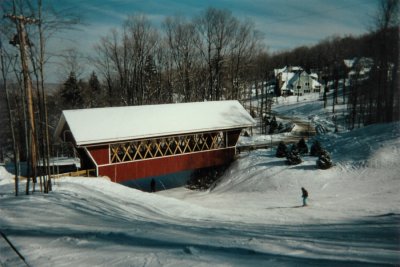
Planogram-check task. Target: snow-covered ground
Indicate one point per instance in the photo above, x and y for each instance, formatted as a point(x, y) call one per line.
point(251, 218)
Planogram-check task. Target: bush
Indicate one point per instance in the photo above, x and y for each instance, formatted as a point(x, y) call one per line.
point(280, 127)
point(273, 125)
point(293, 156)
point(316, 149)
point(302, 146)
point(203, 179)
point(281, 151)
point(324, 161)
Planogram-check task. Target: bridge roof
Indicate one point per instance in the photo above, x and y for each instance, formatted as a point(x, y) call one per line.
point(114, 124)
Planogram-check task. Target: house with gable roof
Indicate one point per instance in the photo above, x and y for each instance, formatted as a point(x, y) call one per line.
point(296, 81)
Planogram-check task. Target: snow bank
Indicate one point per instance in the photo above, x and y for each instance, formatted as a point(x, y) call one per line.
point(4, 174)
point(251, 218)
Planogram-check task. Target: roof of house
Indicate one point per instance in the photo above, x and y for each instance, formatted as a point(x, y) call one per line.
point(314, 76)
point(315, 83)
point(113, 124)
point(287, 69)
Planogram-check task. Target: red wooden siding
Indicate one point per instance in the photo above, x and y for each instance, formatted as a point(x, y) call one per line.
point(166, 165)
point(136, 169)
point(100, 154)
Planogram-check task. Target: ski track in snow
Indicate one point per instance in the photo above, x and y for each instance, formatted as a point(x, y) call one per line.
point(183, 240)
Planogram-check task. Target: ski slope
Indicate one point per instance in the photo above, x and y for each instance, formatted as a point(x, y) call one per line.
point(251, 218)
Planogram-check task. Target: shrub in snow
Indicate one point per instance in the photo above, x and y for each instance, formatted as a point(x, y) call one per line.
point(294, 148)
point(280, 127)
point(293, 156)
point(273, 125)
point(266, 121)
point(316, 149)
point(203, 179)
point(281, 151)
point(302, 146)
point(324, 161)
point(266, 124)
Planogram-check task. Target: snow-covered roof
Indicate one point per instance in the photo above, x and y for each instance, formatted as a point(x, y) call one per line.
point(296, 68)
point(315, 83)
point(362, 61)
point(277, 71)
point(291, 70)
point(349, 62)
point(285, 86)
point(287, 76)
point(101, 125)
point(314, 75)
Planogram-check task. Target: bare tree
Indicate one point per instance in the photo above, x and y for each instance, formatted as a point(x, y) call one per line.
point(124, 60)
point(181, 36)
point(165, 72)
point(23, 42)
point(387, 15)
point(6, 61)
point(243, 51)
point(216, 28)
point(105, 62)
point(140, 41)
point(31, 42)
point(387, 21)
point(71, 62)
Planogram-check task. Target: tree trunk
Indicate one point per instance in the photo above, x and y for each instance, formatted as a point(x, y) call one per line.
point(11, 124)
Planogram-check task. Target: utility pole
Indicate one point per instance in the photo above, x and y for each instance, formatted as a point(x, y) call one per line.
point(23, 42)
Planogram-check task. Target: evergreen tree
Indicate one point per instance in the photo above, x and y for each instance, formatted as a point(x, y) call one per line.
point(293, 156)
point(266, 124)
point(302, 146)
point(324, 161)
point(281, 151)
point(151, 82)
point(95, 96)
point(280, 127)
point(273, 125)
point(316, 149)
point(71, 93)
point(266, 121)
point(94, 83)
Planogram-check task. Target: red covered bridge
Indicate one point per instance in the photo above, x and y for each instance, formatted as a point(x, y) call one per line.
point(133, 142)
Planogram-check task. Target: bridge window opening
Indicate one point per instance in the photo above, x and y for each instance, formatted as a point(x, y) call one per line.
point(160, 147)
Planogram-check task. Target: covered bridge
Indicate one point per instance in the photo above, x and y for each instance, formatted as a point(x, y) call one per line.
point(133, 142)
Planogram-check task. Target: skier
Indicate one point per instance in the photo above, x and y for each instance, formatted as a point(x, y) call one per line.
point(153, 185)
point(304, 196)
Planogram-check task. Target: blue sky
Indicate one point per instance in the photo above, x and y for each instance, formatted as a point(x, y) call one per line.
point(285, 24)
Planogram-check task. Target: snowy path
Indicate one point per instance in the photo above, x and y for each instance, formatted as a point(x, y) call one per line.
point(137, 228)
point(9, 255)
point(303, 128)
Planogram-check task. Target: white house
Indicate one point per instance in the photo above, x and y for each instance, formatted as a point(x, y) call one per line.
point(296, 81)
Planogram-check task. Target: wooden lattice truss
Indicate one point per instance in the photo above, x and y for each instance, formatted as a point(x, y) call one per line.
point(168, 146)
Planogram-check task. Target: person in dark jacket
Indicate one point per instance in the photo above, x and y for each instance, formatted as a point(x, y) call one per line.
point(153, 185)
point(304, 196)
